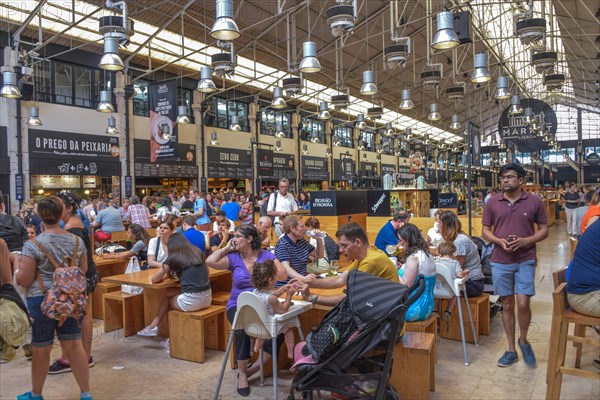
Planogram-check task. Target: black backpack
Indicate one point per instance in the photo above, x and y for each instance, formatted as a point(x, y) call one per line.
point(332, 249)
point(264, 206)
point(11, 231)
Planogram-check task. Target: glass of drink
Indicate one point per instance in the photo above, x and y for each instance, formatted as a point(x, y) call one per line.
point(334, 266)
point(390, 249)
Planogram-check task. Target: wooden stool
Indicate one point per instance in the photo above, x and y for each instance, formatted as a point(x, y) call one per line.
point(96, 299)
point(562, 316)
point(220, 298)
point(123, 310)
point(430, 325)
point(413, 370)
point(192, 332)
point(480, 310)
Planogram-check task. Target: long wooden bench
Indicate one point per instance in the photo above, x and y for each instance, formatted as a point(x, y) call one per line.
point(123, 310)
point(190, 333)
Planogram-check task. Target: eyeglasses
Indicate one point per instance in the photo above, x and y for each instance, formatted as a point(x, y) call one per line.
point(238, 236)
point(284, 187)
point(508, 177)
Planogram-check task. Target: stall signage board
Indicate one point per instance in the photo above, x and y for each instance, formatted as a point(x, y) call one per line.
point(284, 166)
point(162, 102)
point(388, 169)
point(368, 169)
point(475, 133)
point(592, 159)
point(404, 177)
point(323, 203)
point(19, 187)
point(314, 168)
point(447, 200)
point(348, 168)
point(228, 163)
point(184, 166)
point(128, 190)
point(378, 203)
point(264, 161)
point(63, 153)
point(514, 129)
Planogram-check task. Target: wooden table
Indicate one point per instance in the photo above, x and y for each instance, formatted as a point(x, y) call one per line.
point(109, 265)
point(154, 292)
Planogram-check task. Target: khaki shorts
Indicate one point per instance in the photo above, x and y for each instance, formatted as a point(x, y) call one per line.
point(588, 303)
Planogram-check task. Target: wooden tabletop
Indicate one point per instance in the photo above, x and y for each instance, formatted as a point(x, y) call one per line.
point(107, 259)
point(144, 278)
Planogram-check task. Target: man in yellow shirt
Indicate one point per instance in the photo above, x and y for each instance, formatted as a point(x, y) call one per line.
point(354, 244)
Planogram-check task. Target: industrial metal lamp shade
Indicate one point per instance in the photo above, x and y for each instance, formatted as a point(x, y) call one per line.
point(235, 124)
point(314, 138)
point(361, 145)
point(406, 103)
point(278, 100)
point(111, 129)
point(365, 157)
point(434, 114)
point(323, 111)
point(336, 140)
point(515, 106)
point(213, 139)
point(278, 145)
point(446, 37)
point(206, 84)
point(225, 27)
point(111, 60)
point(502, 93)
point(408, 133)
point(360, 122)
point(481, 73)
point(10, 89)
point(368, 87)
point(529, 118)
point(305, 150)
point(105, 105)
point(34, 117)
point(279, 131)
point(389, 131)
point(455, 125)
point(309, 64)
point(182, 115)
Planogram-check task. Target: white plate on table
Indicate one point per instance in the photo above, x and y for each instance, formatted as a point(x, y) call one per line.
point(324, 275)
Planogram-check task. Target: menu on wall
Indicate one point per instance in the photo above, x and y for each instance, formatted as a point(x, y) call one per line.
point(314, 168)
point(387, 169)
point(228, 163)
point(184, 166)
point(284, 166)
point(368, 169)
point(63, 153)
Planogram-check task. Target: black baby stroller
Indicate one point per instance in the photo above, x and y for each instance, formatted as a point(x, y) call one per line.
point(335, 357)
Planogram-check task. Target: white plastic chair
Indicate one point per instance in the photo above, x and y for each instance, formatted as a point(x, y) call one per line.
point(447, 287)
point(253, 318)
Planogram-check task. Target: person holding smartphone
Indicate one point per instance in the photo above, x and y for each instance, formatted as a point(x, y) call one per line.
point(513, 215)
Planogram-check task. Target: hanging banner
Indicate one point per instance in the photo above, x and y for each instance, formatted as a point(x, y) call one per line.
point(475, 134)
point(264, 160)
point(284, 166)
point(514, 128)
point(162, 103)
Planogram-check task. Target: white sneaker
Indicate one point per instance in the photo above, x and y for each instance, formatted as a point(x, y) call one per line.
point(147, 331)
point(165, 344)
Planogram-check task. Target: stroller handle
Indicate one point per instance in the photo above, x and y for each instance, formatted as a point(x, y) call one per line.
point(419, 286)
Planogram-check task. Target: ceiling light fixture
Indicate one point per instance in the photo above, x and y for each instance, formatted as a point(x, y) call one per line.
point(481, 73)
point(455, 125)
point(305, 150)
point(389, 131)
point(309, 64)
point(323, 111)
point(235, 124)
point(502, 93)
point(206, 84)
point(34, 117)
point(528, 117)
point(336, 141)
point(182, 115)
point(515, 105)
point(292, 86)
point(314, 138)
point(360, 122)
point(279, 133)
point(445, 37)
point(278, 101)
point(214, 140)
point(406, 103)
point(111, 60)
point(105, 104)
point(341, 18)
point(368, 87)
point(111, 129)
point(225, 27)
point(10, 90)
point(278, 145)
point(434, 114)
point(361, 145)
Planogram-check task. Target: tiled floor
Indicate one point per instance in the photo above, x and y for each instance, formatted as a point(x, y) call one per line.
point(137, 368)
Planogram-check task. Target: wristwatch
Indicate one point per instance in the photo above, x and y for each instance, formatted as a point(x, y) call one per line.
point(314, 298)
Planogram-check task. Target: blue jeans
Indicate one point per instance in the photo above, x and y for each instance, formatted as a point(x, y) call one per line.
point(516, 278)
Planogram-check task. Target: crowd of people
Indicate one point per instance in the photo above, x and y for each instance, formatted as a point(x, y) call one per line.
point(60, 226)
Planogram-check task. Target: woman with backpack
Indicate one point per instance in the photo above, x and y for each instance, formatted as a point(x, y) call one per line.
point(74, 225)
point(37, 269)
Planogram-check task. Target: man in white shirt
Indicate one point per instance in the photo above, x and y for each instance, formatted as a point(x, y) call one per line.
point(281, 203)
point(220, 216)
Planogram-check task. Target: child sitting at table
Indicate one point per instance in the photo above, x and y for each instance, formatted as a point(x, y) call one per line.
point(263, 280)
point(446, 250)
point(185, 262)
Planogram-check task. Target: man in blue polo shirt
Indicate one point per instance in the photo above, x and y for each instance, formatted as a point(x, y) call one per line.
point(194, 236)
point(388, 233)
point(292, 250)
